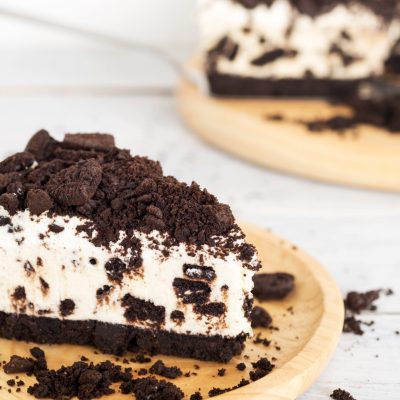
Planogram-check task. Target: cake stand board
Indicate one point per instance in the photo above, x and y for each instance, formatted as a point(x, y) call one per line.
point(310, 323)
point(366, 156)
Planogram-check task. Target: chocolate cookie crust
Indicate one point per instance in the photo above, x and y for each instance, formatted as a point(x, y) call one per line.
point(118, 339)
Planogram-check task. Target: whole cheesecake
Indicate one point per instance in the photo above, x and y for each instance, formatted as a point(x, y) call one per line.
point(98, 247)
point(297, 47)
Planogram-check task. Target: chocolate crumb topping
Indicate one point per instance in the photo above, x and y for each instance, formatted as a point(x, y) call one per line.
point(196, 396)
point(87, 176)
point(261, 368)
point(38, 201)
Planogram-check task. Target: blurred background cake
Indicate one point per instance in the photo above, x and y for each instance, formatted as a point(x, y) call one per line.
point(297, 47)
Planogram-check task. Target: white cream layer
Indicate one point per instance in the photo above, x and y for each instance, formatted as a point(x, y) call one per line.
point(66, 267)
point(371, 39)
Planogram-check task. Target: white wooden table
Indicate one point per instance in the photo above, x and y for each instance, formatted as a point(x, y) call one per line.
point(354, 233)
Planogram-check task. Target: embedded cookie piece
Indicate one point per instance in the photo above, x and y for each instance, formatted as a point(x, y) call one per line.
point(106, 250)
point(296, 47)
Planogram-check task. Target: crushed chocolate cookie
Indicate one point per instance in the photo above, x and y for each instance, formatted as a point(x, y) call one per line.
point(261, 368)
point(150, 388)
point(19, 293)
point(217, 391)
point(141, 310)
point(340, 394)
point(260, 318)
point(55, 228)
point(10, 202)
point(91, 141)
point(38, 201)
point(199, 272)
point(221, 372)
point(357, 302)
point(141, 359)
point(196, 396)
point(274, 286)
point(177, 316)
point(67, 307)
point(159, 368)
point(191, 292)
point(260, 340)
point(19, 364)
point(241, 366)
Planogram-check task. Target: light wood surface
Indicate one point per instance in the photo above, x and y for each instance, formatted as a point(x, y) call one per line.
point(302, 346)
point(365, 156)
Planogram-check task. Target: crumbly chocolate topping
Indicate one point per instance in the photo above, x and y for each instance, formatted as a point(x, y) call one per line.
point(261, 368)
point(388, 9)
point(217, 391)
point(87, 176)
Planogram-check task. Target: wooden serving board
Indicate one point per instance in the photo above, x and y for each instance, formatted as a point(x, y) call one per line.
point(302, 346)
point(365, 156)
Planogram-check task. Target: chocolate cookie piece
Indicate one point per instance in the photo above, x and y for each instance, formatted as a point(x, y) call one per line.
point(275, 286)
point(67, 307)
point(340, 394)
point(17, 162)
point(76, 185)
point(94, 141)
point(159, 368)
point(260, 318)
point(38, 201)
point(41, 145)
point(10, 202)
point(18, 365)
point(150, 388)
point(357, 302)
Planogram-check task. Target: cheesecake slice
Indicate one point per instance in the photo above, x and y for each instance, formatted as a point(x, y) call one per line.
point(98, 247)
point(297, 47)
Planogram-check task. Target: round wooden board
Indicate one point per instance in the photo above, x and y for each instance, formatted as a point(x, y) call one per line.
point(306, 338)
point(365, 157)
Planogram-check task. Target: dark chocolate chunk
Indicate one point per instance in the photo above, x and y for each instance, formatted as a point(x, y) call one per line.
point(67, 307)
point(275, 286)
point(272, 56)
point(260, 318)
point(141, 310)
point(191, 292)
point(95, 141)
point(18, 365)
point(76, 185)
point(159, 368)
point(152, 389)
point(199, 272)
point(41, 145)
point(177, 316)
point(55, 228)
point(10, 202)
point(19, 293)
point(210, 309)
point(115, 269)
point(17, 162)
point(340, 394)
point(38, 201)
point(44, 285)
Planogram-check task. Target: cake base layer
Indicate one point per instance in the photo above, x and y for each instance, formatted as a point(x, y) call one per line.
point(118, 339)
point(232, 85)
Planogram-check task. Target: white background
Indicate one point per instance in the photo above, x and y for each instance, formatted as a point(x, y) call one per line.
point(66, 84)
